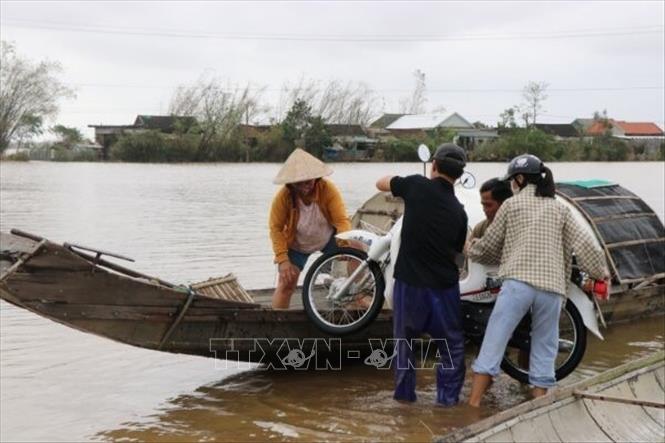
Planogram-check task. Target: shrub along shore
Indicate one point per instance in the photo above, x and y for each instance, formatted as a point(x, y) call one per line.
point(274, 146)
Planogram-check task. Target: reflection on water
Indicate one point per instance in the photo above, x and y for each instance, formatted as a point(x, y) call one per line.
point(352, 404)
point(186, 223)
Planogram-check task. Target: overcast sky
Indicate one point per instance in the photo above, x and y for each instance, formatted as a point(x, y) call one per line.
point(126, 58)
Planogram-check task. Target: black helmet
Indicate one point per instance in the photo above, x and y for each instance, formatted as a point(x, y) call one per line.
point(524, 164)
point(450, 152)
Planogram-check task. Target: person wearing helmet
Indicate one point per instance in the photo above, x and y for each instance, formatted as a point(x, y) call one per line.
point(426, 294)
point(305, 214)
point(532, 238)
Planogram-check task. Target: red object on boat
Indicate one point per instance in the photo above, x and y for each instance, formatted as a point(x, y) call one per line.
point(600, 290)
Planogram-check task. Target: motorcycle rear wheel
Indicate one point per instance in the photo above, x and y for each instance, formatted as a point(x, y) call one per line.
point(353, 312)
point(572, 345)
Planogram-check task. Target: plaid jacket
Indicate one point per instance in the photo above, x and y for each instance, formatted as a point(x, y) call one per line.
point(533, 239)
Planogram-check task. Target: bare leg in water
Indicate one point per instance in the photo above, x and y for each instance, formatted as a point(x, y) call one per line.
point(479, 385)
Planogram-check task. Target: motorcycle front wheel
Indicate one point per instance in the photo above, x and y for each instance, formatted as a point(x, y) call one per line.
point(572, 345)
point(357, 306)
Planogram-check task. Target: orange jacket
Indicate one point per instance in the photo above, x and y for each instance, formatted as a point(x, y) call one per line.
point(284, 215)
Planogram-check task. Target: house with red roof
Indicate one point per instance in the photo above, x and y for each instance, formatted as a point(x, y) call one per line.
point(647, 135)
point(624, 129)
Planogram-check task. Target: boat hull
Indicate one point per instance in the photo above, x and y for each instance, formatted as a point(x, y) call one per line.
point(60, 284)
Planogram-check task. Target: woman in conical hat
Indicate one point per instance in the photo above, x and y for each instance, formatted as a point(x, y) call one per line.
point(306, 213)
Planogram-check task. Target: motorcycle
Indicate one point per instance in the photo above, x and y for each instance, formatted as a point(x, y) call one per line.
point(345, 290)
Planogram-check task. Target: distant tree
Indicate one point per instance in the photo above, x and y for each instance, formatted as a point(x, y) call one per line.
point(534, 94)
point(316, 136)
point(252, 107)
point(297, 121)
point(415, 104)
point(28, 91)
point(218, 109)
point(30, 126)
point(302, 128)
point(516, 142)
point(507, 118)
point(67, 137)
point(479, 125)
point(334, 101)
point(604, 120)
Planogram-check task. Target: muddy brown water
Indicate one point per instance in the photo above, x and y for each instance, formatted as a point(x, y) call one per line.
point(186, 223)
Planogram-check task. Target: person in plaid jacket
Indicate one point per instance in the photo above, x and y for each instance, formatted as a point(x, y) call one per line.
point(532, 238)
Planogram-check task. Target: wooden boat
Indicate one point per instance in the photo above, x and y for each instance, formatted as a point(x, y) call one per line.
point(79, 287)
point(67, 284)
point(626, 403)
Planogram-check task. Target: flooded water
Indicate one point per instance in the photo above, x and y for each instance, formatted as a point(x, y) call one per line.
point(185, 223)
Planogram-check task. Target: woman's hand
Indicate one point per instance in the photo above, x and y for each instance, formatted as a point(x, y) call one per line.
point(288, 272)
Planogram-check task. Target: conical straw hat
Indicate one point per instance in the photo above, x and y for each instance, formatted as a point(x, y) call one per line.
point(301, 166)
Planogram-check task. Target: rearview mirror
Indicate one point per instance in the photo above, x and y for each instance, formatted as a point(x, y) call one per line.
point(467, 180)
point(423, 153)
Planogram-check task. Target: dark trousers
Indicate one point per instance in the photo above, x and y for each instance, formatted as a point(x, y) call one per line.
point(437, 312)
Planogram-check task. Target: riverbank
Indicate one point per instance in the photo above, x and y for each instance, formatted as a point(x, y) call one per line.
point(160, 149)
point(272, 146)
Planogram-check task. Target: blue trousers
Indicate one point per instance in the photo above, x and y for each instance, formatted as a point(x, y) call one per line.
point(437, 312)
point(515, 300)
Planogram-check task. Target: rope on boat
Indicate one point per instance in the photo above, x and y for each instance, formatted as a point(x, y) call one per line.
point(181, 314)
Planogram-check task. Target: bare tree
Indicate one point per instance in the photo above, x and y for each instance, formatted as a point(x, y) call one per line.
point(415, 104)
point(350, 103)
point(27, 91)
point(303, 90)
point(218, 109)
point(603, 119)
point(334, 101)
point(534, 94)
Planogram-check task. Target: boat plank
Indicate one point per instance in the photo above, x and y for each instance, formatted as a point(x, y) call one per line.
point(115, 312)
point(623, 422)
point(573, 423)
point(502, 436)
point(660, 377)
point(90, 288)
point(538, 429)
point(52, 256)
point(105, 288)
point(649, 389)
point(264, 298)
point(135, 333)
